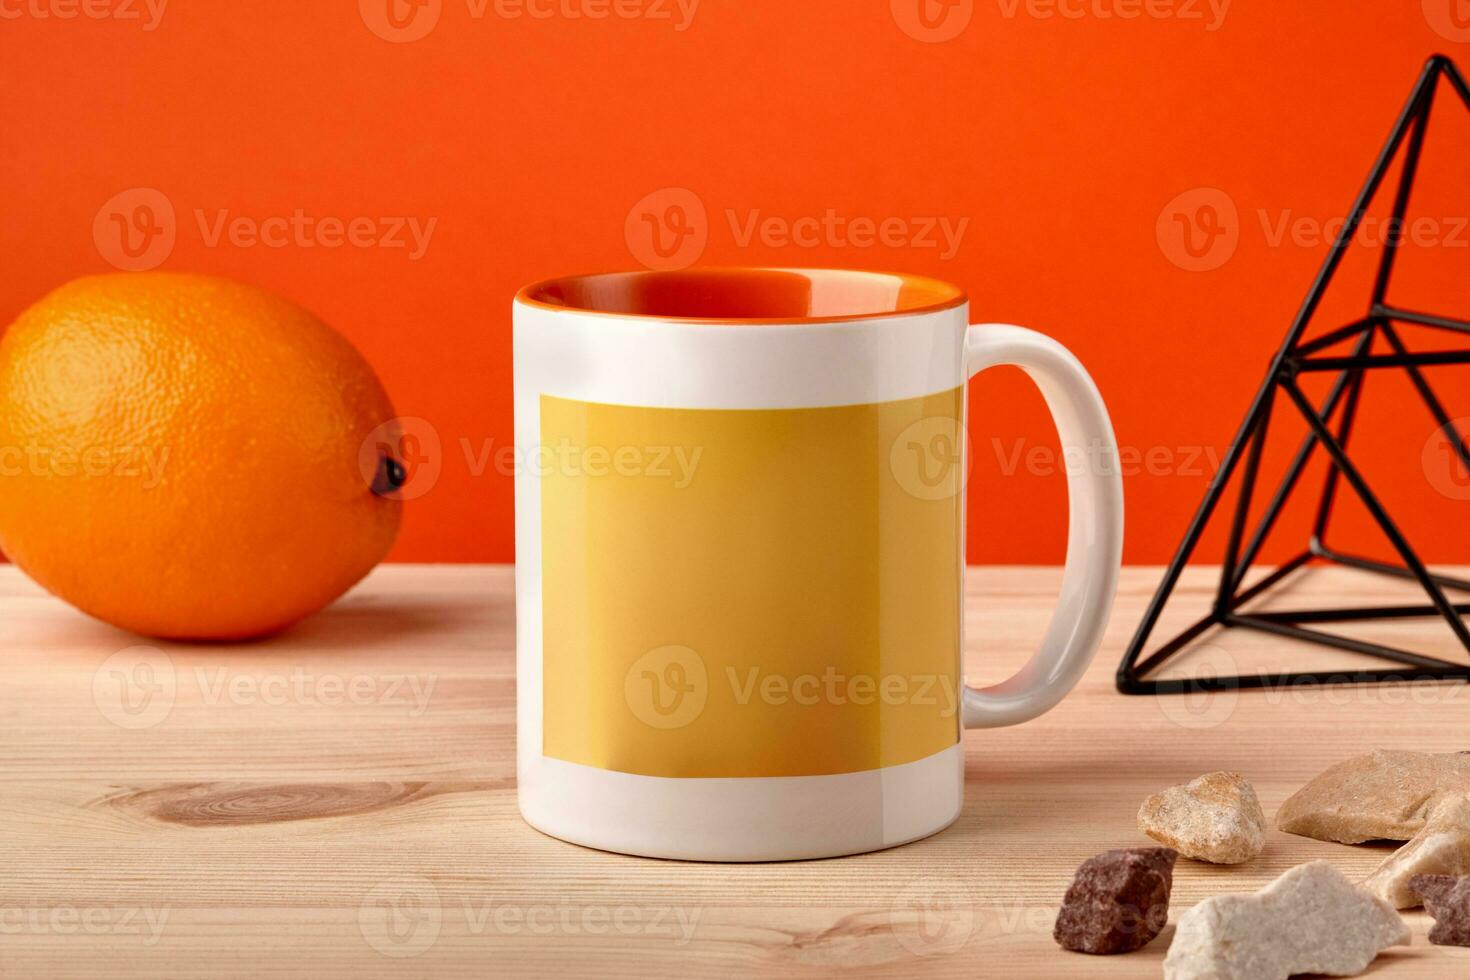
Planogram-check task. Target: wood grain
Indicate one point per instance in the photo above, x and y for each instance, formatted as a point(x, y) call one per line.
point(322, 803)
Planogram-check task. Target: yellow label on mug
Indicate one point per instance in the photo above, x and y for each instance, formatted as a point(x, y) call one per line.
point(751, 592)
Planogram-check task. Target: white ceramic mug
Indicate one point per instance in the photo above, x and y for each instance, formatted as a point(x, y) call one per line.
point(740, 551)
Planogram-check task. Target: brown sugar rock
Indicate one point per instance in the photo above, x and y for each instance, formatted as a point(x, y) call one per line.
point(1448, 900)
point(1441, 848)
point(1215, 818)
point(1118, 901)
point(1386, 795)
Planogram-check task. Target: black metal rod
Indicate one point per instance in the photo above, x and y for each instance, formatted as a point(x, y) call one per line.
point(1407, 116)
point(1422, 319)
point(1335, 337)
point(1369, 362)
point(1353, 614)
point(1343, 643)
point(1298, 466)
point(1243, 506)
point(1175, 645)
point(1271, 579)
point(1401, 198)
point(1452, 72)
point(1383, 568)
point(1370, 500)
point(1436, 408)
point(1192, 535)
point(1344, 433)
point(1294, 680)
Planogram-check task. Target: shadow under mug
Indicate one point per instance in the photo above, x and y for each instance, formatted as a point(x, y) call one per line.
point(740, 527)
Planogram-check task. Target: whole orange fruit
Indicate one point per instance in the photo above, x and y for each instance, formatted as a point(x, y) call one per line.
point(189, 457)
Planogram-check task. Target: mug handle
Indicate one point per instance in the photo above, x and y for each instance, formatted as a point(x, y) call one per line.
point(1094, 524)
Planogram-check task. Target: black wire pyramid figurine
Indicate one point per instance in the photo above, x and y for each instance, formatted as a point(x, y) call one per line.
point(1294, 358)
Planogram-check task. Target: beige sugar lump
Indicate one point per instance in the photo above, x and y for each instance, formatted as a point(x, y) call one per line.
point(1215, 818)
point(1386, 795)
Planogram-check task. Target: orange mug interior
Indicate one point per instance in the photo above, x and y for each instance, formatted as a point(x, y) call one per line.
point(746, 295)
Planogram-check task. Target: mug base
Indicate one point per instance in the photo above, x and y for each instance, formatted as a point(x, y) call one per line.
point(788, 818)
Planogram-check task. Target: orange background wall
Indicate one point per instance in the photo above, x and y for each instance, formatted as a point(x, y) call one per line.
point(1058, 131)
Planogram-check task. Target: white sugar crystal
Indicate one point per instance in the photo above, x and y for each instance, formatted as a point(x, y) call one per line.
point(1310, 920)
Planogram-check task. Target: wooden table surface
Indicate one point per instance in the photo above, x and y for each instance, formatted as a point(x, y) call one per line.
point(340, 801)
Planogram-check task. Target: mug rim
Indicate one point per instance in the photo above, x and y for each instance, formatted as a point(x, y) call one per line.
point(913, 294)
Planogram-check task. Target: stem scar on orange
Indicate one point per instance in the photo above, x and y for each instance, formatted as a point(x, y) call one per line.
point(189, 457)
